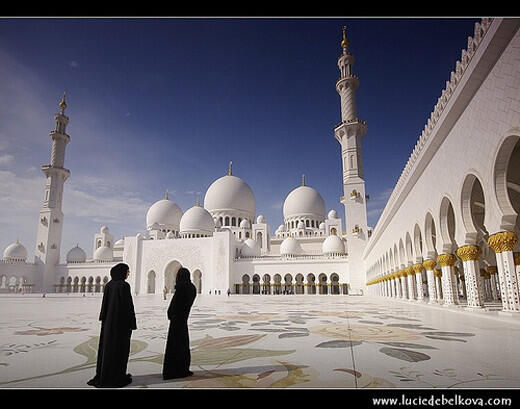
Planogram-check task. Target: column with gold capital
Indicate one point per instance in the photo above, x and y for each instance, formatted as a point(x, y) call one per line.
point(429, 265)
point(418, 269)
point(393, 285)
point(398, 284)
point(492, 270)
point(404, 286)
point(449, 287)
point(410, 282)
point(516, 259)
point(438, 285)
point(503, 244)
point(474, 291)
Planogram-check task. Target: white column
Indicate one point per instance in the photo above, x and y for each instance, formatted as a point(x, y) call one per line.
point(502, 244)
point(418, 268)
point(429, 265)
point(438, 285)
point(449, 287)
point(492, 270)
point(474, 287)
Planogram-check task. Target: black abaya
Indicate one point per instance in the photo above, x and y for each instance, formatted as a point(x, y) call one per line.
point(117, 322)
point(177, 357)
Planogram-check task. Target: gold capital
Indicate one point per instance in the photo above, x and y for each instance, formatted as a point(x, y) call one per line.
point(445, 260)
point(418, 268)
point(503, 241)
point(469, 252)
point(408, 271)
point(429, 264)
point(437, 272)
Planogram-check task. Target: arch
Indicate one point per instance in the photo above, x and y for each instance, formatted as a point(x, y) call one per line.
point(418, 244)
point(288, 286)
point(334, 279)
point(259, 238)
point(402, 254)
point(409, 251)
point(473, 209)
point(397, 266)
point(83, 285)
point(506, 180)
point(256, 284)
point(267, 284)
point(277, 288)
point(170, 275)
point(447, 225)
point(75, 285)
point(322, 279)
point(245, 284)
point(197, 280)
point(299, 286)
point(430, 236)
point(97, 286)
point(151, 282)
point(311, 284)
point(90, 284)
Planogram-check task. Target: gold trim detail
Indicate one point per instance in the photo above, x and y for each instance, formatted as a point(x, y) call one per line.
point(418, 268)
point(446, 260)
point(429, 264)
point(503, 241)
point(469, 252)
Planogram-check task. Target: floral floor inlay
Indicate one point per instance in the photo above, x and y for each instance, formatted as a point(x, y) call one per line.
point(265, 342)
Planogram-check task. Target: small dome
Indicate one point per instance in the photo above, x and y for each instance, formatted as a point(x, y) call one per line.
point(104, 230)
point(76, 255)
point(139, 236)
point(244, 224)
point(333, 244)
point(230, 193)
point(304, 201)
point(322, 226)
point(165, 213)
point(301, 224)
point(197, 220)
point(250, 248)
point(119, 243)
point(103, 254)
point(332, 214)
point(15, 251)
point(260, 219)
point(218, 223)
point(170, 235)
point(290, 247)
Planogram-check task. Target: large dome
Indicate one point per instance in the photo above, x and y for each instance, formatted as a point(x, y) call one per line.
point(103, 254)
point(290, 247)
point(76, 255)
point(333, 245)
point(250, 248)
point(197, 220)
point(15, 251)
point(304, 201)
point(165, 213)
point(230, 193)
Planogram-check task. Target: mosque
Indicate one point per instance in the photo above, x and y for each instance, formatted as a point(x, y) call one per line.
point(224, 243)
point(448, 234)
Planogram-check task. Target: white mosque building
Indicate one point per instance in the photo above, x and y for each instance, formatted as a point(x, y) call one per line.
point(448, 234)
point(224, 243)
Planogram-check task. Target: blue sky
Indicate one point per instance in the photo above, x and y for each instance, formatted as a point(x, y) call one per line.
point(166, 103)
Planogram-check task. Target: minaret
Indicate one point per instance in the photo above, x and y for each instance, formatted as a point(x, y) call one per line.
point(48, 238)
point(349, 133)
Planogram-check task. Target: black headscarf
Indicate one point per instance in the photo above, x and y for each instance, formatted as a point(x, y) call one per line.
point(118, 272)
point(183, 276)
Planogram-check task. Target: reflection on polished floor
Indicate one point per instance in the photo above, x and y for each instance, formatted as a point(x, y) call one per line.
point(251, 341)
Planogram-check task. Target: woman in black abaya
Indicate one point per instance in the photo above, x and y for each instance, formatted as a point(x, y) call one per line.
point(177, 357)
point(117, 322)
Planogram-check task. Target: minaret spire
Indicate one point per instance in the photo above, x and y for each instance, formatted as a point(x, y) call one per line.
point(303, 180)
point(48, 236)
point(166, 195)
point(349, 133)
point(230, 169)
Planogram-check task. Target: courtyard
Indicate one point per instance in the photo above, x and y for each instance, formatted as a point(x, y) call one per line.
point(267, 341)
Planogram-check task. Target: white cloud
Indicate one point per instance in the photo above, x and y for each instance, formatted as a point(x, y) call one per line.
point(6, 159)
point(376, 205)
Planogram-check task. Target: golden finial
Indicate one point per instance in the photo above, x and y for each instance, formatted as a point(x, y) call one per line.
point(303, 180)
point(230, 170)
point(198, 202)
point(62, 103)
point(344, 43)
point(166, 195)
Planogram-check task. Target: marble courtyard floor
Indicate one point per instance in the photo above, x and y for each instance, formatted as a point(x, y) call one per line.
point(253, 341)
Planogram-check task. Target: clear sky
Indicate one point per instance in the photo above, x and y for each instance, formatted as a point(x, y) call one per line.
point(166, 103)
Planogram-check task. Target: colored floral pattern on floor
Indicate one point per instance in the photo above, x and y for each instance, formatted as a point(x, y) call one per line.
point(264, 342)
